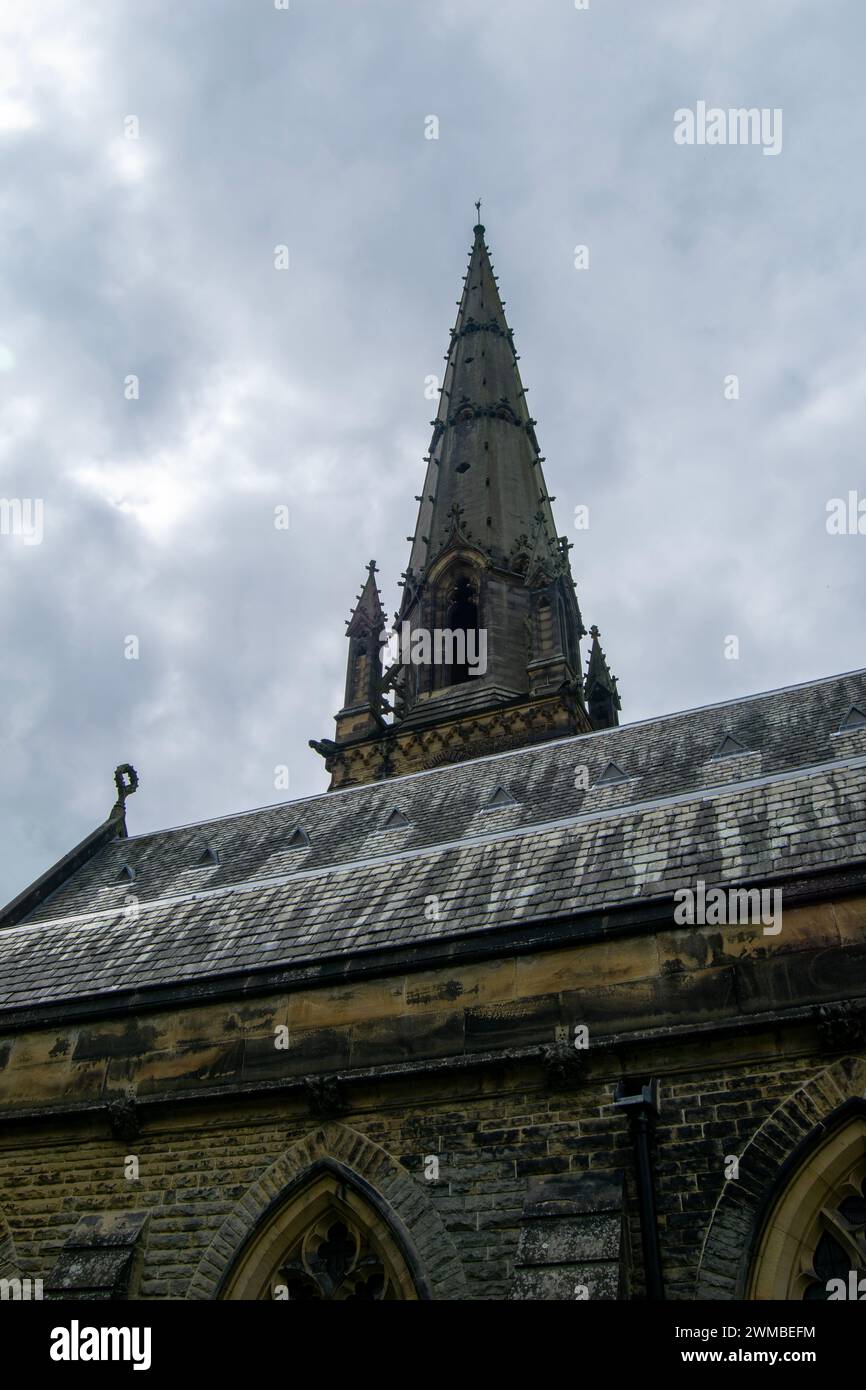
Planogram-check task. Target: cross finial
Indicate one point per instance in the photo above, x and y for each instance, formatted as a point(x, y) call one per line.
point(478, 209)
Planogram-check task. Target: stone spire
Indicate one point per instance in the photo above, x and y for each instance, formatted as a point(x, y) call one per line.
point(484, 455)
point(602, 696)
point(362, 706)
point(368, 615)
point(488, 631)
point(485, 542)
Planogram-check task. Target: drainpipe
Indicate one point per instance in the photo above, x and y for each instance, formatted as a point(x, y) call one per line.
point(642, 1109)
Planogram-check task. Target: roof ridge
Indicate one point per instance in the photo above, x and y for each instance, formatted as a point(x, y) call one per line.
point(506, 753)
point(697, 794)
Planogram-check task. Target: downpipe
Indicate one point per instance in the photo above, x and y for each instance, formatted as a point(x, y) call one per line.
point(642, 1110)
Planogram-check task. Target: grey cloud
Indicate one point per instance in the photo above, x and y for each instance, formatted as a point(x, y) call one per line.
point(306, 387)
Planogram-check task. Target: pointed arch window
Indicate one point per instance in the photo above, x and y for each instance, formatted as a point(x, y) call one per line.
point(815, 1232)
point(840, 1250)
point(461, 619)
point(566, 633)
point(452, 617)
point(329, 1240)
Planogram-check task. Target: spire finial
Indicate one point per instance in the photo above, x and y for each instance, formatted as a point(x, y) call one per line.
point(478, 227)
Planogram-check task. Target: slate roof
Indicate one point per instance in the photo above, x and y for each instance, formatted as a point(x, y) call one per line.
point(793, 800)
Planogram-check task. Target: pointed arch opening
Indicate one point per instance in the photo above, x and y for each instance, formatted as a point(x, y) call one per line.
point(812, 1243)
point(567, 635)
point(329, 1238)
point(454, 612)
point(461, 619)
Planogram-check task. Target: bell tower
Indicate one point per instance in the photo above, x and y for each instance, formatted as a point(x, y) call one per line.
point(485, 650)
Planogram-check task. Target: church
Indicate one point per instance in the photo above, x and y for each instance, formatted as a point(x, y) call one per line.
point(530, 1004)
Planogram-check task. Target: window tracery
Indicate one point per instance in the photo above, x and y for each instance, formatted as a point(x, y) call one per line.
point(332, 1260)
point(815, 1231)
point(328, 1240)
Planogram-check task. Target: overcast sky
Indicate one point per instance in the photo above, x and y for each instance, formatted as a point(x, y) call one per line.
point(261, 127)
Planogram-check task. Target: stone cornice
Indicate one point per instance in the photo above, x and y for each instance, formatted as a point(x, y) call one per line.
point(325, 1093)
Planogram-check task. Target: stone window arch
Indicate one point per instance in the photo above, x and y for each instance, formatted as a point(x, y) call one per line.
point(815, 1229)
point(566, 632)
point(394, 1212)
point(329, 1241)
point(457, 608)
point(754, 1240)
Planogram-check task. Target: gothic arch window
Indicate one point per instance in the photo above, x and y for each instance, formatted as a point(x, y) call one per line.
point(544, 639)
point(327, 1241)
point(457, 611)
point(815, 1231)
point(567, 635)
point(364, 653)
point(461, 616)
point(841, 1248)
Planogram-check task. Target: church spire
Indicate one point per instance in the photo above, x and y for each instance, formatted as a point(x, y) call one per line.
point(602, 696)
point(369, 614)
point(362, 707)
point(484, 453)
point(487, 651)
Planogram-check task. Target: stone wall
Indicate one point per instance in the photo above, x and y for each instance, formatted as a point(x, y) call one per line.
point(472, 1064)
point(494, 1139)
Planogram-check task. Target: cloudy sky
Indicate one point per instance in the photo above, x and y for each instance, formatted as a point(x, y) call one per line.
point(154, 257)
